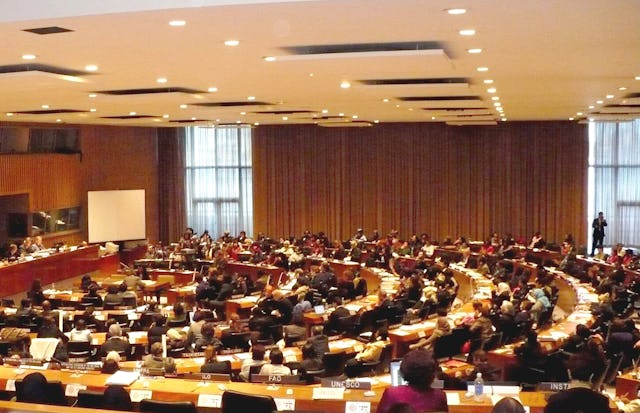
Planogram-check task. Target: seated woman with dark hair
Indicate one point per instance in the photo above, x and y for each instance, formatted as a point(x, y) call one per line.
point(117, 398)
point(211, 365)
point(310, 360)
point(275, 366)
point(418, 369)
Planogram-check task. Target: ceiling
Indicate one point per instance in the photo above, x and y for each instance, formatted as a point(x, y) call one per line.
point(548, 59)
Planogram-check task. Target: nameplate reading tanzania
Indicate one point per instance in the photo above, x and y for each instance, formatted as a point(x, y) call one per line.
point(347, 384)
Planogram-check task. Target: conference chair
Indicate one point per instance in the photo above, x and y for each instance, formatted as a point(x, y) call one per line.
point(334, 363)
point(158, 406)
point(79, 350)
point(234, 402)
point(90, 399)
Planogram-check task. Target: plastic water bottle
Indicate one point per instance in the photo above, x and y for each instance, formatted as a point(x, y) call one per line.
point(478, 387)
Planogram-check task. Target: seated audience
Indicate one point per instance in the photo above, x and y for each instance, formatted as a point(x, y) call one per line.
point(275, 365)
point(257, 359)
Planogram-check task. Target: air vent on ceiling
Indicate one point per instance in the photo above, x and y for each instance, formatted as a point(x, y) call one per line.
point(282, 112)
point(153, 90)
point(129, 117)
point(49, 111)
point(436, 98)
point(337, 51)
point(48, 30)
point(37, 67)
point(422, 81)
point(225, 104)
point(345, 124)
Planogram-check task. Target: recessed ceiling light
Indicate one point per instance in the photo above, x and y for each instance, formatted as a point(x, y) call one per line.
point(637, 77)
point(376, 121)
point(161, 80)
point(251, 98)
point(385, 100)
point(571, 118)
point(325, 110)
point(194, 118)
point(311, 75)
point(354, 117)
point(491, 90)
point(488, 81)
point(495, 97)
point(238, 121)
point(218, 120)
point(165, 116)
point(28, 56)
point(243, 113)
point(132, 113)
point(340, 114)
point(456, 11)
point(285, 118)
point(467, 32)
point(58, 120)
point(622, 88)
point(474, 51)
point(482, 69)
point(579, 113)
point(232, 42)
point(9, 114)
point(177, 23)
point(91, 68)
point(433, 118)
point(92, 95)
point(269, 58)
point(183, 106)
point(591, 106)
point(609, 96)
point(212, 89)
point(497, 104)
point(256, 123)
point(45, 106)
point(599, 102)
point(345, 85)
point(92, 110)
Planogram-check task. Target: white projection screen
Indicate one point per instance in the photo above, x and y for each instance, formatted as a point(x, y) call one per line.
point(116, 215)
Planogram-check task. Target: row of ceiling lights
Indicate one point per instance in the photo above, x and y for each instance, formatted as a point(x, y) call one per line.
point(601, 101)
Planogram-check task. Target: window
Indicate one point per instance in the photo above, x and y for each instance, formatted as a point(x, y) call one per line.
point(219, 190)
point(614, 180)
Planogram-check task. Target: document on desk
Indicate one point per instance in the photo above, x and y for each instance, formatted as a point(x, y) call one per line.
point(122, 378)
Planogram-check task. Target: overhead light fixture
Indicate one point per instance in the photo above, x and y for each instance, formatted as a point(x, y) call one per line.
point(637, 77)
point(183, 106)
point(256, 123)
point(243, 113)
point(456, 11)
point(354, 117)
point(376, 121)
point(9, 114)
point(231, 42)
point(133, 113)
point(579, 113)
point(467, 32)
point(177, 23)
point(165, 116)
point(482, 69)
point(385, 100)
point(599, 102)
point(92, 95)
point(92, 110)
point(591, 106)
point(269, 58)
point(488, 81)
point(212, 89)
point(497, 104)
point(609, 96)
point(474, 51)
point(495, 97)
point(621, 88)
point(285, 118)
point(491, 90)
point(571, 118)
point(345, 84)
point(193, 118)
point(91, 68)
point(58, 120)
point(45, 106)
point(325, 111)
point(28, 56)
point(251, 98)
point(161, 80)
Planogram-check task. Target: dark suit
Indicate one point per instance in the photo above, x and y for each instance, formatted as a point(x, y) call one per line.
point(598, 233)
point(217, 367)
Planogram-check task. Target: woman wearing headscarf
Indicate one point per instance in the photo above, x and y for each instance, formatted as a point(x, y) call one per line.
point(540, 305)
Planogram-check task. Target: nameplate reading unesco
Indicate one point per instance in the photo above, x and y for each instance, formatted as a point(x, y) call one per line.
point(347, 384)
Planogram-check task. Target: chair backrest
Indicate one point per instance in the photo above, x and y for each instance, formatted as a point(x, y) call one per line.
point(79, 348)
point(158, 406)
point(237, 340)
point(234, 402)
point(90, 399)
point(54, 394)
point(334, 363)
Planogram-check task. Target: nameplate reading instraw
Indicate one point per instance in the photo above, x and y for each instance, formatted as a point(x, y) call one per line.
point(328, 393)
point(357, 407)
point(210, 400)
point(347, 384)
point(138, 395)
point(552, 386)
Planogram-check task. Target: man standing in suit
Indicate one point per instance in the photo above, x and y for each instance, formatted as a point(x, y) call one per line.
point(598, 232)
